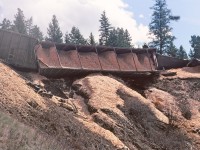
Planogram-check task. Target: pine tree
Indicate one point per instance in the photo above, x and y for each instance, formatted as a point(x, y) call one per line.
point(105, 29)
point(191, 54)
point(195, 44)
point(19, 22)
point(181, 53)
point(75, 37)
point(54, 32)
point(67, 38)
point(22, 25)
point(119, 38)
point(6, 24)
point(159, 26)
point(113, 38)
point(145, 45)
point(36, 33)
point(128, 39)
point(171, 50)
point(29, 25)
point(91, 40)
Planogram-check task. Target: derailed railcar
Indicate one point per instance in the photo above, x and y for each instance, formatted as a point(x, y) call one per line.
point(59, 60)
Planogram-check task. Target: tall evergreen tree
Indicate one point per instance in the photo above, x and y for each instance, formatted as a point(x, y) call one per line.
point(128, 39)
point(105, 29)
point(195, 44)
point(91, 40)
point(6, 24)
point(119, 38)
point(54, 32)
point(29, 25)
point(191, 53)
point(75, 37)
point(113, 38)
point(22, 25)
point(36, 33)
point(171, 50)
point(19, 22)
point(67, 38)
point(181, 53)
point(159, 26)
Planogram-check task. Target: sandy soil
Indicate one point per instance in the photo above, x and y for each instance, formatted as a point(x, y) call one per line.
point(103, 113)
point(186, 72)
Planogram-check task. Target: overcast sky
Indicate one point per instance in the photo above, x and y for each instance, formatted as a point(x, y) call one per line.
point(133, 15)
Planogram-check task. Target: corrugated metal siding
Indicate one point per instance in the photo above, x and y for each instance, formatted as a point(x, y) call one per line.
point(18, 49)
point(5, 43)
point(13, 48)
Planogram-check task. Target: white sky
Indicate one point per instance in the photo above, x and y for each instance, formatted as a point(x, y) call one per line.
point(84, 14)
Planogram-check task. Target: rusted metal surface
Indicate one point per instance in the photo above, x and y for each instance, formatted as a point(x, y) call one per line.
point(61, 59)
point(88, 58)
point(18, 49)
point(108, 59)
point(125, 59)
point(142, 62)
point(68, 56)
point(48, 57)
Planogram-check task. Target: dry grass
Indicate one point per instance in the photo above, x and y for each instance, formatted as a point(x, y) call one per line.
point(15, 135)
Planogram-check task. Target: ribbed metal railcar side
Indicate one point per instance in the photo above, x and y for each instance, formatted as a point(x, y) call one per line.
point(58, 60)
point(18, 49)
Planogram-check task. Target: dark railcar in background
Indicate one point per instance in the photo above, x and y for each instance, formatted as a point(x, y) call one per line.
point(18, 49)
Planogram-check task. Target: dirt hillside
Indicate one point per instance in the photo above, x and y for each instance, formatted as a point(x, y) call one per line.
point(101, 112)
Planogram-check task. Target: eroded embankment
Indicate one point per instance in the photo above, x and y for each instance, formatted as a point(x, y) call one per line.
point(99, 112)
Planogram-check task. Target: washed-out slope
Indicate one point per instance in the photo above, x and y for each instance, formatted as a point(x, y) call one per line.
point(102, 113)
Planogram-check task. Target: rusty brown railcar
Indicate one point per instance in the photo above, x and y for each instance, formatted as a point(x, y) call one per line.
point(56, 60)
point(62, 59)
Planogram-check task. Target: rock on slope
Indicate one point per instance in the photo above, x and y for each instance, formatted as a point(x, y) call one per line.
point(108, 115)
